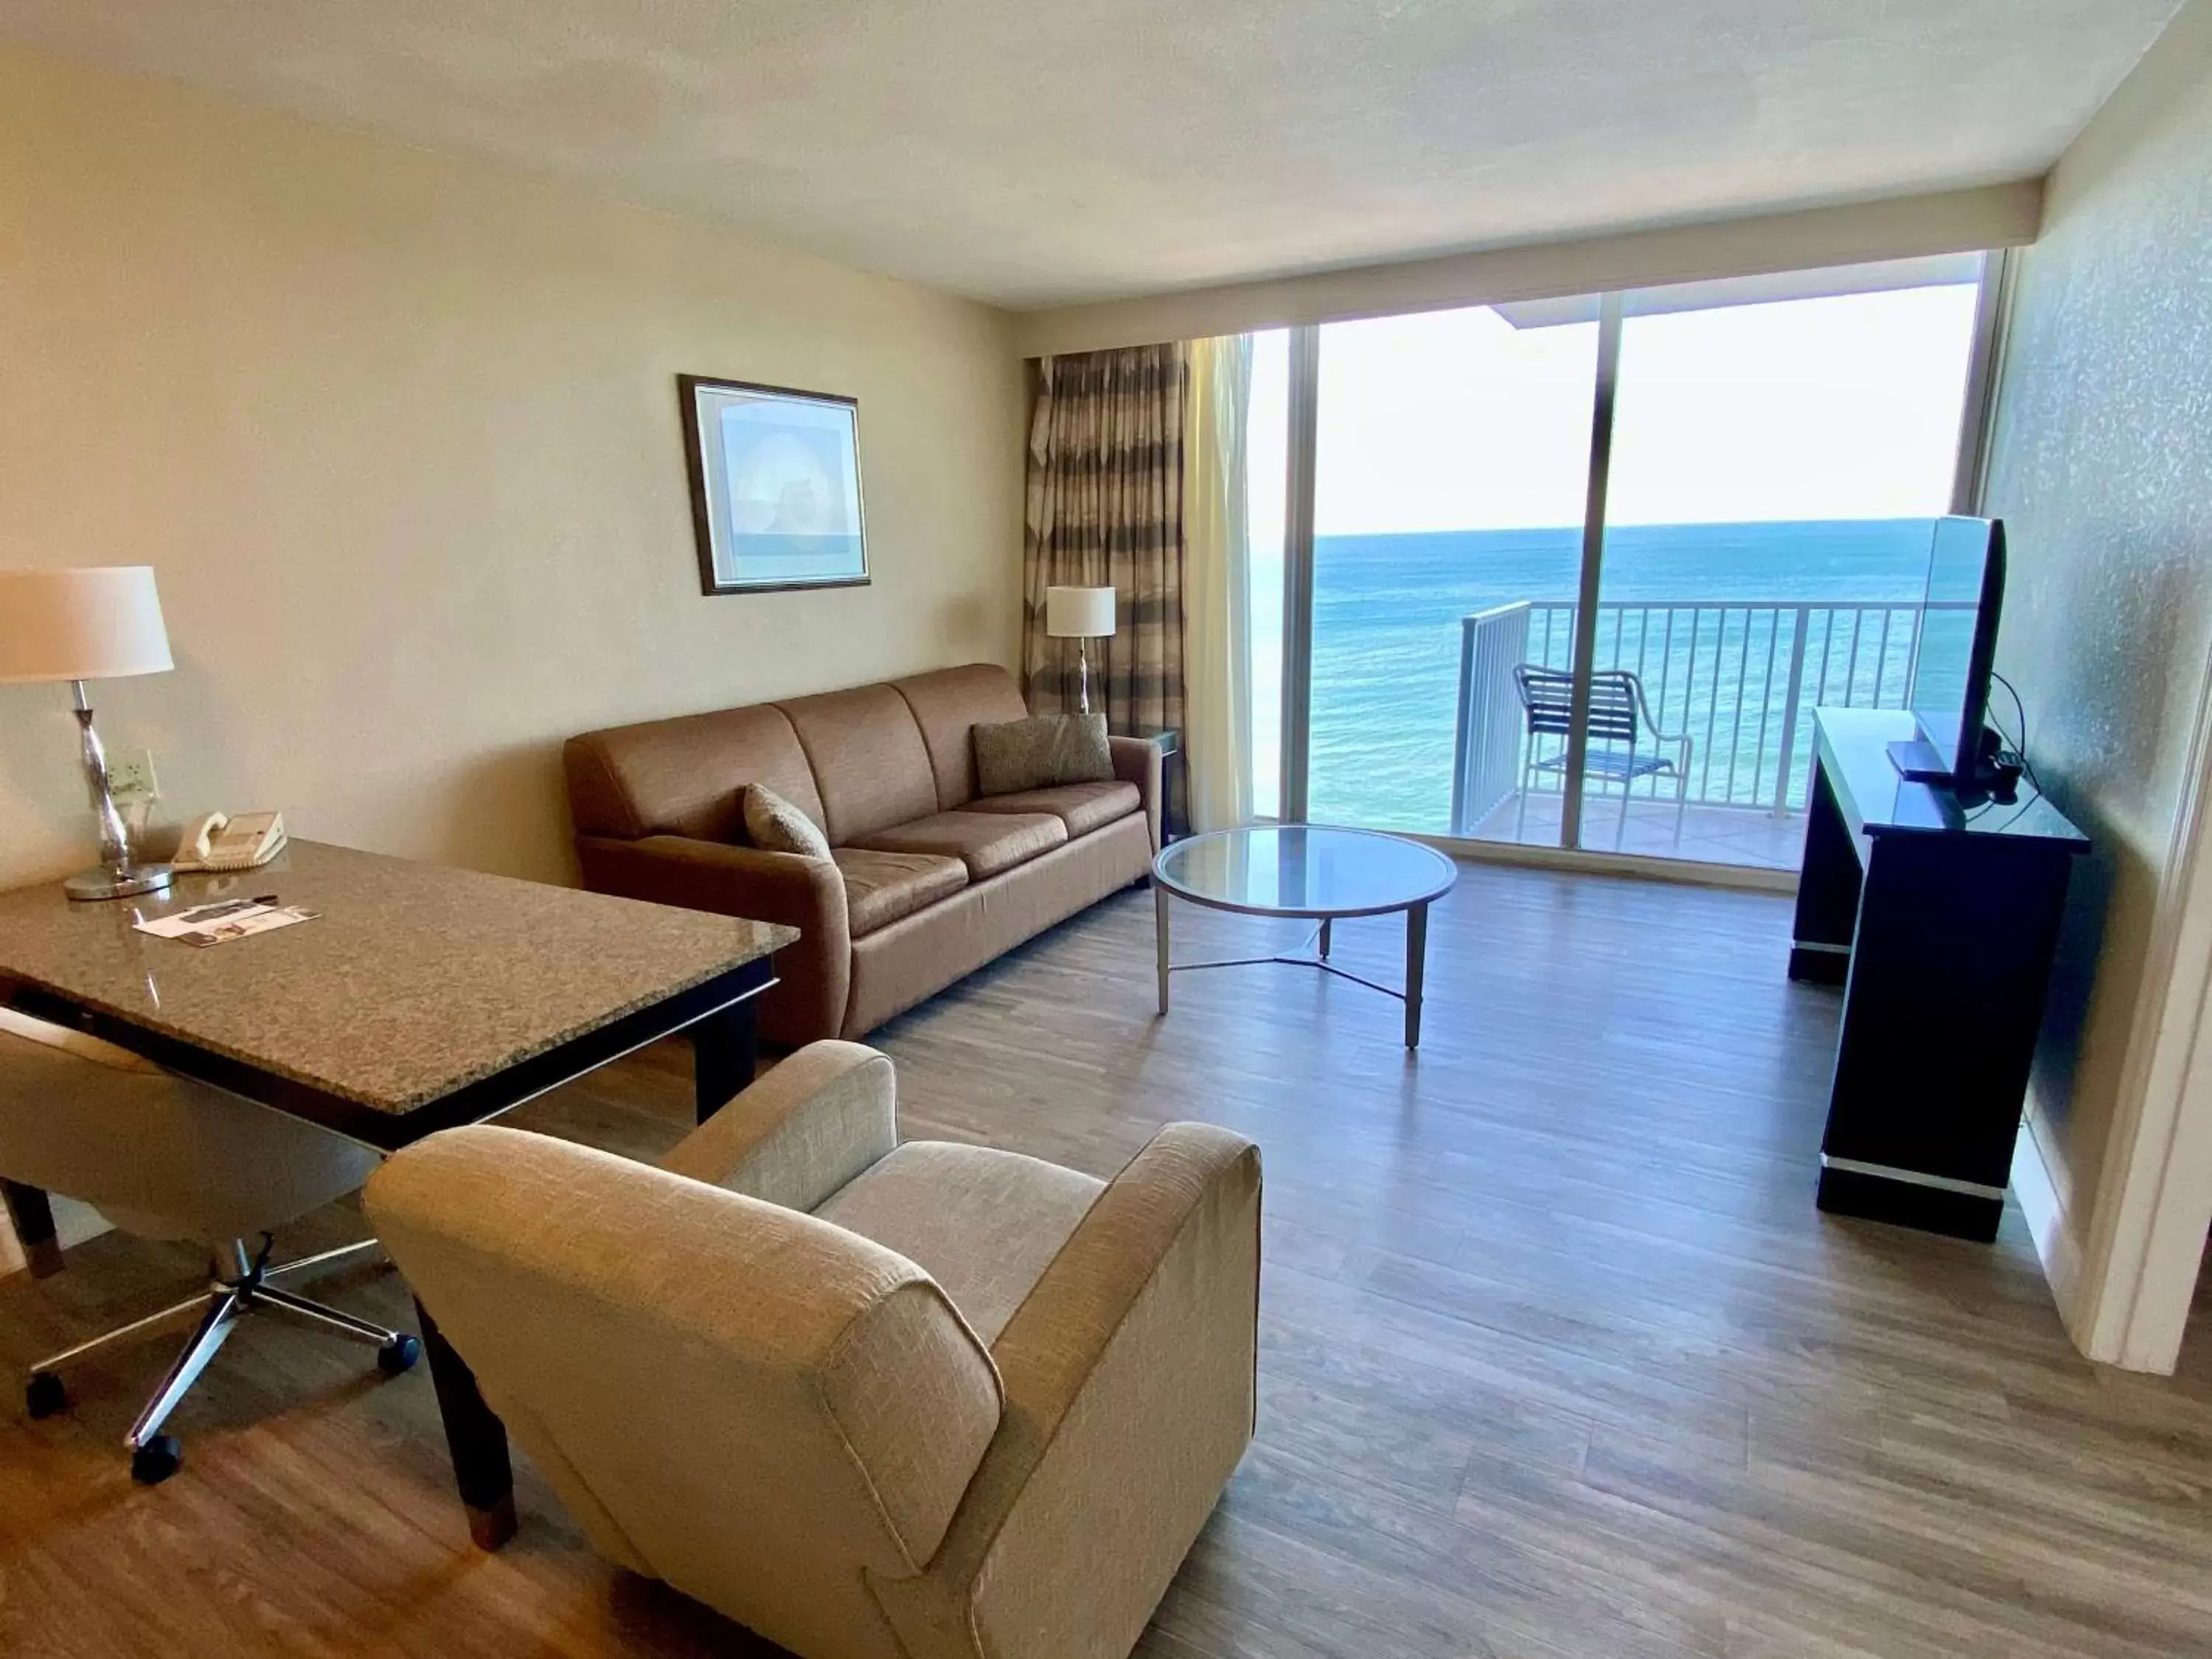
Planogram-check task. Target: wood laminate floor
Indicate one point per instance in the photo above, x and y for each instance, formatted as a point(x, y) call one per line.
point(1557, 1358)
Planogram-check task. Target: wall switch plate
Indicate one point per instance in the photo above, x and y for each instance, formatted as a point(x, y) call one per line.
point(130, 775)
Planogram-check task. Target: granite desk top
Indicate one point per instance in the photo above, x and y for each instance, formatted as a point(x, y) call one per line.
point(415, 980)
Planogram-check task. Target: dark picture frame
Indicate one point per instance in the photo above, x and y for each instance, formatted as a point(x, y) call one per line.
point(775, 486)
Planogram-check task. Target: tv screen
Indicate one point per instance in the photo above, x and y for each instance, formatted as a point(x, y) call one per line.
point(1958, 639)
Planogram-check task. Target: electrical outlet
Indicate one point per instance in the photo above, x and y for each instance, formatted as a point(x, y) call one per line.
point(130, 775)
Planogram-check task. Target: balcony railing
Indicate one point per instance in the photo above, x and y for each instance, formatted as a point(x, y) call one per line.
point(1739, 678)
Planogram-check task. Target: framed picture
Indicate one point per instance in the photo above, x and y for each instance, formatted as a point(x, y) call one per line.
point(775, 486)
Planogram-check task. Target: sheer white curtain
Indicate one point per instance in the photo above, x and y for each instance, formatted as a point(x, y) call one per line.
point(1217, 665)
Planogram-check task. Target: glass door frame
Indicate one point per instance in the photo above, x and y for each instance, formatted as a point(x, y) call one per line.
point(1992, 304)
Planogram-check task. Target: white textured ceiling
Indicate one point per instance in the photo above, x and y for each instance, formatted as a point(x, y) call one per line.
point(1039, 152)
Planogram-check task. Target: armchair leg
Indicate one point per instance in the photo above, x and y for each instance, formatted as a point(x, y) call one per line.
point(475, 1436)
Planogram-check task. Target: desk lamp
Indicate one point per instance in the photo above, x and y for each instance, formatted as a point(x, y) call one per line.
point(100, 624)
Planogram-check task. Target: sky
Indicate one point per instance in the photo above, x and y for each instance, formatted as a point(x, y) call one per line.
point(1843, 407)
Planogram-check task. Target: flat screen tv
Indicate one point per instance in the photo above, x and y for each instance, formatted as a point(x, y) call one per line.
point(1950, 694)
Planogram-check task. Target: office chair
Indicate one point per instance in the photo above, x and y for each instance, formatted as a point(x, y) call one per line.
point(162, 1156)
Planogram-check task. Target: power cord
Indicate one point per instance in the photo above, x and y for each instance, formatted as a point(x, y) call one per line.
point(2020, 714)
point(2019, 752)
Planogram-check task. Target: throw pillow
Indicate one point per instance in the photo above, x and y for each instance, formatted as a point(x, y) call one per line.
point(775, 824)
point(1041, 751)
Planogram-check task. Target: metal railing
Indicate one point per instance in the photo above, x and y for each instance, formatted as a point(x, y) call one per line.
point(1739, 677)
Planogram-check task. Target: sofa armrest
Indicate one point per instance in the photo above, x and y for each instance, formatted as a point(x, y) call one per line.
point(800, 1132)
point(1137, 760)
point(1128, 1373)
point(814, 976)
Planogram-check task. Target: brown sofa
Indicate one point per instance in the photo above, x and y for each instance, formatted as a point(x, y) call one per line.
point(927, 881)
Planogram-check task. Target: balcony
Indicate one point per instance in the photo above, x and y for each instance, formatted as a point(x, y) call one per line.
point(1738, 679)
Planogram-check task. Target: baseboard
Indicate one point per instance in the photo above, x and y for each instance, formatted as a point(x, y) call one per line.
point(2039, 1184)
point(1688, 872)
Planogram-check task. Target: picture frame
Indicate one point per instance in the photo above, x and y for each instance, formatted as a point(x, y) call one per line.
point(775, 486)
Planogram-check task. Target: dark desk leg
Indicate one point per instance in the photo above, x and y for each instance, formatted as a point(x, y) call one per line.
point(1417, 962)
point(32, 1218)
point(475, 1437)
point(1324, 938)
point(1827, 891)
point(725, 1054)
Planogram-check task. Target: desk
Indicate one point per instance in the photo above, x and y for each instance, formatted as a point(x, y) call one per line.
point(1941, 924)
point(423, 997)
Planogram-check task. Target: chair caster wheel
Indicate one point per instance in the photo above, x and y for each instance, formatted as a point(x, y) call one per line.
point(157, 1460)
point(46, 1396)
point(398, 1355)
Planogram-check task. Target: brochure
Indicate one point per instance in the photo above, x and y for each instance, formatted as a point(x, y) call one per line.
point(230, 919)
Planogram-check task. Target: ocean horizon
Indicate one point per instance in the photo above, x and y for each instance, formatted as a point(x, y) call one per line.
point(1387, 627)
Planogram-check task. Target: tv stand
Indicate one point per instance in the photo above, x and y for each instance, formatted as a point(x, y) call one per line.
point(1941, 924)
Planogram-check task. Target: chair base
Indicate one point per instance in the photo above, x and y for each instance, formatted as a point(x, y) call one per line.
point(156, 1456)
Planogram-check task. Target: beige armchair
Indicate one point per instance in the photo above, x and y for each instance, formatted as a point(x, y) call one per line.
point(918, 1400)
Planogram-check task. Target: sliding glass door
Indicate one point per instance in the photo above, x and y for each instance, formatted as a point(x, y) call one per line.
point(1451, 467)
point(1574, 573)
point(1781, 449)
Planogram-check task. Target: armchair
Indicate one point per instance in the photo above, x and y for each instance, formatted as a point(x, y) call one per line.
point(915, 1399)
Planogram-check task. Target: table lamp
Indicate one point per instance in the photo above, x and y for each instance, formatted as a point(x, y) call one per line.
point(77, 625)
point(1080, 614)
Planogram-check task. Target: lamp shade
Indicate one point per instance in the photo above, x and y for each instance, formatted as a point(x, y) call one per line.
point(1078, 613)
point(101, 623)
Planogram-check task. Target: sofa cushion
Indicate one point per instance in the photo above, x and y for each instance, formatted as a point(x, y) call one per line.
point(985, 1224)
point(686, 776)
point(774, 824)
point(987, 842)
point(868, 759)
point(882, 887)
point(1041, 752)
point(947, 706)
point(1082, 807)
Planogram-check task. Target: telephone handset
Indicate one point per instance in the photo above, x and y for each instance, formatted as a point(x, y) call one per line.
point(219, 842)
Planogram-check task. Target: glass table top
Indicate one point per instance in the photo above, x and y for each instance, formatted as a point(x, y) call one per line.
point(1296, 870)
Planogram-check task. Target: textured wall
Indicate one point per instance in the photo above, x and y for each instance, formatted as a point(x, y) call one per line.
point(2102, 470)
point(399, 435)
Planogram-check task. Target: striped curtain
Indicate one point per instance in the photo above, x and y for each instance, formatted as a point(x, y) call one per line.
point(1105, 509)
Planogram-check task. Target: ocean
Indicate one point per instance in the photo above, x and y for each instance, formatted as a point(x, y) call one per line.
point(1388, 609)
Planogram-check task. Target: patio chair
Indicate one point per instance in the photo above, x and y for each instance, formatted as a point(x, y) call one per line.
point(1618, 715)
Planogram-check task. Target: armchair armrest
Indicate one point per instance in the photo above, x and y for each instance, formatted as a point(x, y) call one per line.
point(1128, 1373)
point(815, 975)
point(1137, 760)
point(800, 1132)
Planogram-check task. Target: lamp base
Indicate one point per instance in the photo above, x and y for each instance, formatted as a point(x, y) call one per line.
point(107, 883)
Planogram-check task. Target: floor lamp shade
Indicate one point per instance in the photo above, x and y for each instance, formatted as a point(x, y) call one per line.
point(101, 623)
point(1078, 613)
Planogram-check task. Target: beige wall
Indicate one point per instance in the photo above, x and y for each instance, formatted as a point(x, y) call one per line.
point(2102, 469)
point(399, 435)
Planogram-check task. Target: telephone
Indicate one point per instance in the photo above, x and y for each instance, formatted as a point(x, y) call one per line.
point(219, 842)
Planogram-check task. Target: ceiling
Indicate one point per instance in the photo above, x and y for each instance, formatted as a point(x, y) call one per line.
point(1034, 153)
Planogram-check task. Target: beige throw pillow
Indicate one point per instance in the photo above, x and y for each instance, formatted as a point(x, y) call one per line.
point(775, 824)
point(1041, 751)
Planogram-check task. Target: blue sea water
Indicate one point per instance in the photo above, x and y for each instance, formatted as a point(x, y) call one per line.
point(1388, 609)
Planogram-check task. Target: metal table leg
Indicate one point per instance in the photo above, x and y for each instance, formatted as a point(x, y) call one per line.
point(1160, 929)
point(1416, 956)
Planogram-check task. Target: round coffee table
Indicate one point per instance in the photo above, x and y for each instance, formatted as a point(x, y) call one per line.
point(1323, 875)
